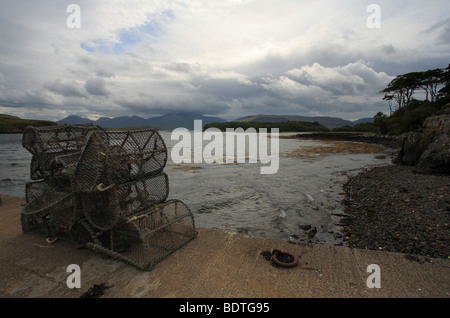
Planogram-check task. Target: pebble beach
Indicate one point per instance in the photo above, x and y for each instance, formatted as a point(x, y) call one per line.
point(394, 208)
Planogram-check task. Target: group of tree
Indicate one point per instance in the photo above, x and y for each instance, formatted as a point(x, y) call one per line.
point(402, 87)
point(408, 113)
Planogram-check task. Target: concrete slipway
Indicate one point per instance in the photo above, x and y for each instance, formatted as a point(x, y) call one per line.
point(216, 264)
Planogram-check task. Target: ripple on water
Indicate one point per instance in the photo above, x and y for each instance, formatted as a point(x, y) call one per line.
point(237, 197)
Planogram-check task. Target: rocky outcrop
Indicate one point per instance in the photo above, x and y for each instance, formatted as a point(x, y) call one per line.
point(429, 148)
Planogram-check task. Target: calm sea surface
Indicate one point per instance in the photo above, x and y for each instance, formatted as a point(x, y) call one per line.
point(237, 197)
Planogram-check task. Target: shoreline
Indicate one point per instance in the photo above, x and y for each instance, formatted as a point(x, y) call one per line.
point(379, 201)
point(394, 208)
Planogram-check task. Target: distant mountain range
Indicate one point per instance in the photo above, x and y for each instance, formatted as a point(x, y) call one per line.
point(186, 119)
point(165, 122)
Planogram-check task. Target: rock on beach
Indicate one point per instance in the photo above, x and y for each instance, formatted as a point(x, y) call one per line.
point(397, 209)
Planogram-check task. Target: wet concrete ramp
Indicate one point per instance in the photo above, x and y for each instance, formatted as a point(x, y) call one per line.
point(217, 264)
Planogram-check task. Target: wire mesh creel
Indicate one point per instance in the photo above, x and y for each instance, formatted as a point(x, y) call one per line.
point(105, 209)
point(146, 239)
point(48, 143)
point(114, 157)
point(48, 210)
point(106, 190)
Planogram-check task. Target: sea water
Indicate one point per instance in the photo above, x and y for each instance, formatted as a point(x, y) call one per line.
point(237, 197)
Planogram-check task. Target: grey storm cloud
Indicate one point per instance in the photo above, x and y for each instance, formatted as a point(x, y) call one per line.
point(96, 86)
point(444, 32)
point(224, 58)
point(441, 30)
point(2, 79)
point(66, 89)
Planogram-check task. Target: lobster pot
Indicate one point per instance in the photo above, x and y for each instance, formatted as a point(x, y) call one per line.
point(58, 169)
point(47, 143)
point(53, 167)
point(146, 239)
point(104, 209)
point(81, 234)
point(39, 170)
point(48, 210)
point(116, 157)
point(62, 168)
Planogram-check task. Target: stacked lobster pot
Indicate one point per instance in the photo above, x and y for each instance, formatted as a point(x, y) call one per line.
point(105, 190)
point(51, 205)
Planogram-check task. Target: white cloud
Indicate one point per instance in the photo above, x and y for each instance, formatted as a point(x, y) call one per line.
point(351, 79)
point(287, 88)
point(221, 57)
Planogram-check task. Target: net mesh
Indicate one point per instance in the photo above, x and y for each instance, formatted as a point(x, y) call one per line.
point(48, 143)
point(115, 157)
point(105, 190)
point(144, 240)
point(105, 209)
point(48, 209)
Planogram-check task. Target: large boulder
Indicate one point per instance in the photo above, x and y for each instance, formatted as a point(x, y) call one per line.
point(428, 149)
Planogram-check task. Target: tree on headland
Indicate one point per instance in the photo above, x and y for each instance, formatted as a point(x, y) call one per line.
point(444, 92)
point(389, 98)
point(409, 112)
point(379, 121)
point(402, 87)
point(429, 81)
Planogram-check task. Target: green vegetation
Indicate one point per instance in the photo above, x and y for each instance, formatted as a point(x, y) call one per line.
point(406, 112)
point(410, 113)
point(362, 128)
point(290, 126)
point(13, 124)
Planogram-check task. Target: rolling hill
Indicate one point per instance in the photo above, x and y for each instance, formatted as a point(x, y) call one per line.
point(165, 122)
point(9, 124)
point(14, 124)
point(175, 120)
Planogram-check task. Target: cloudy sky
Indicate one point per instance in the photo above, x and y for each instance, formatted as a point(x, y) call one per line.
point(225, 58)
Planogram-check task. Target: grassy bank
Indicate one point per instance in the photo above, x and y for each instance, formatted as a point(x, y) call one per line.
point(12, 124)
